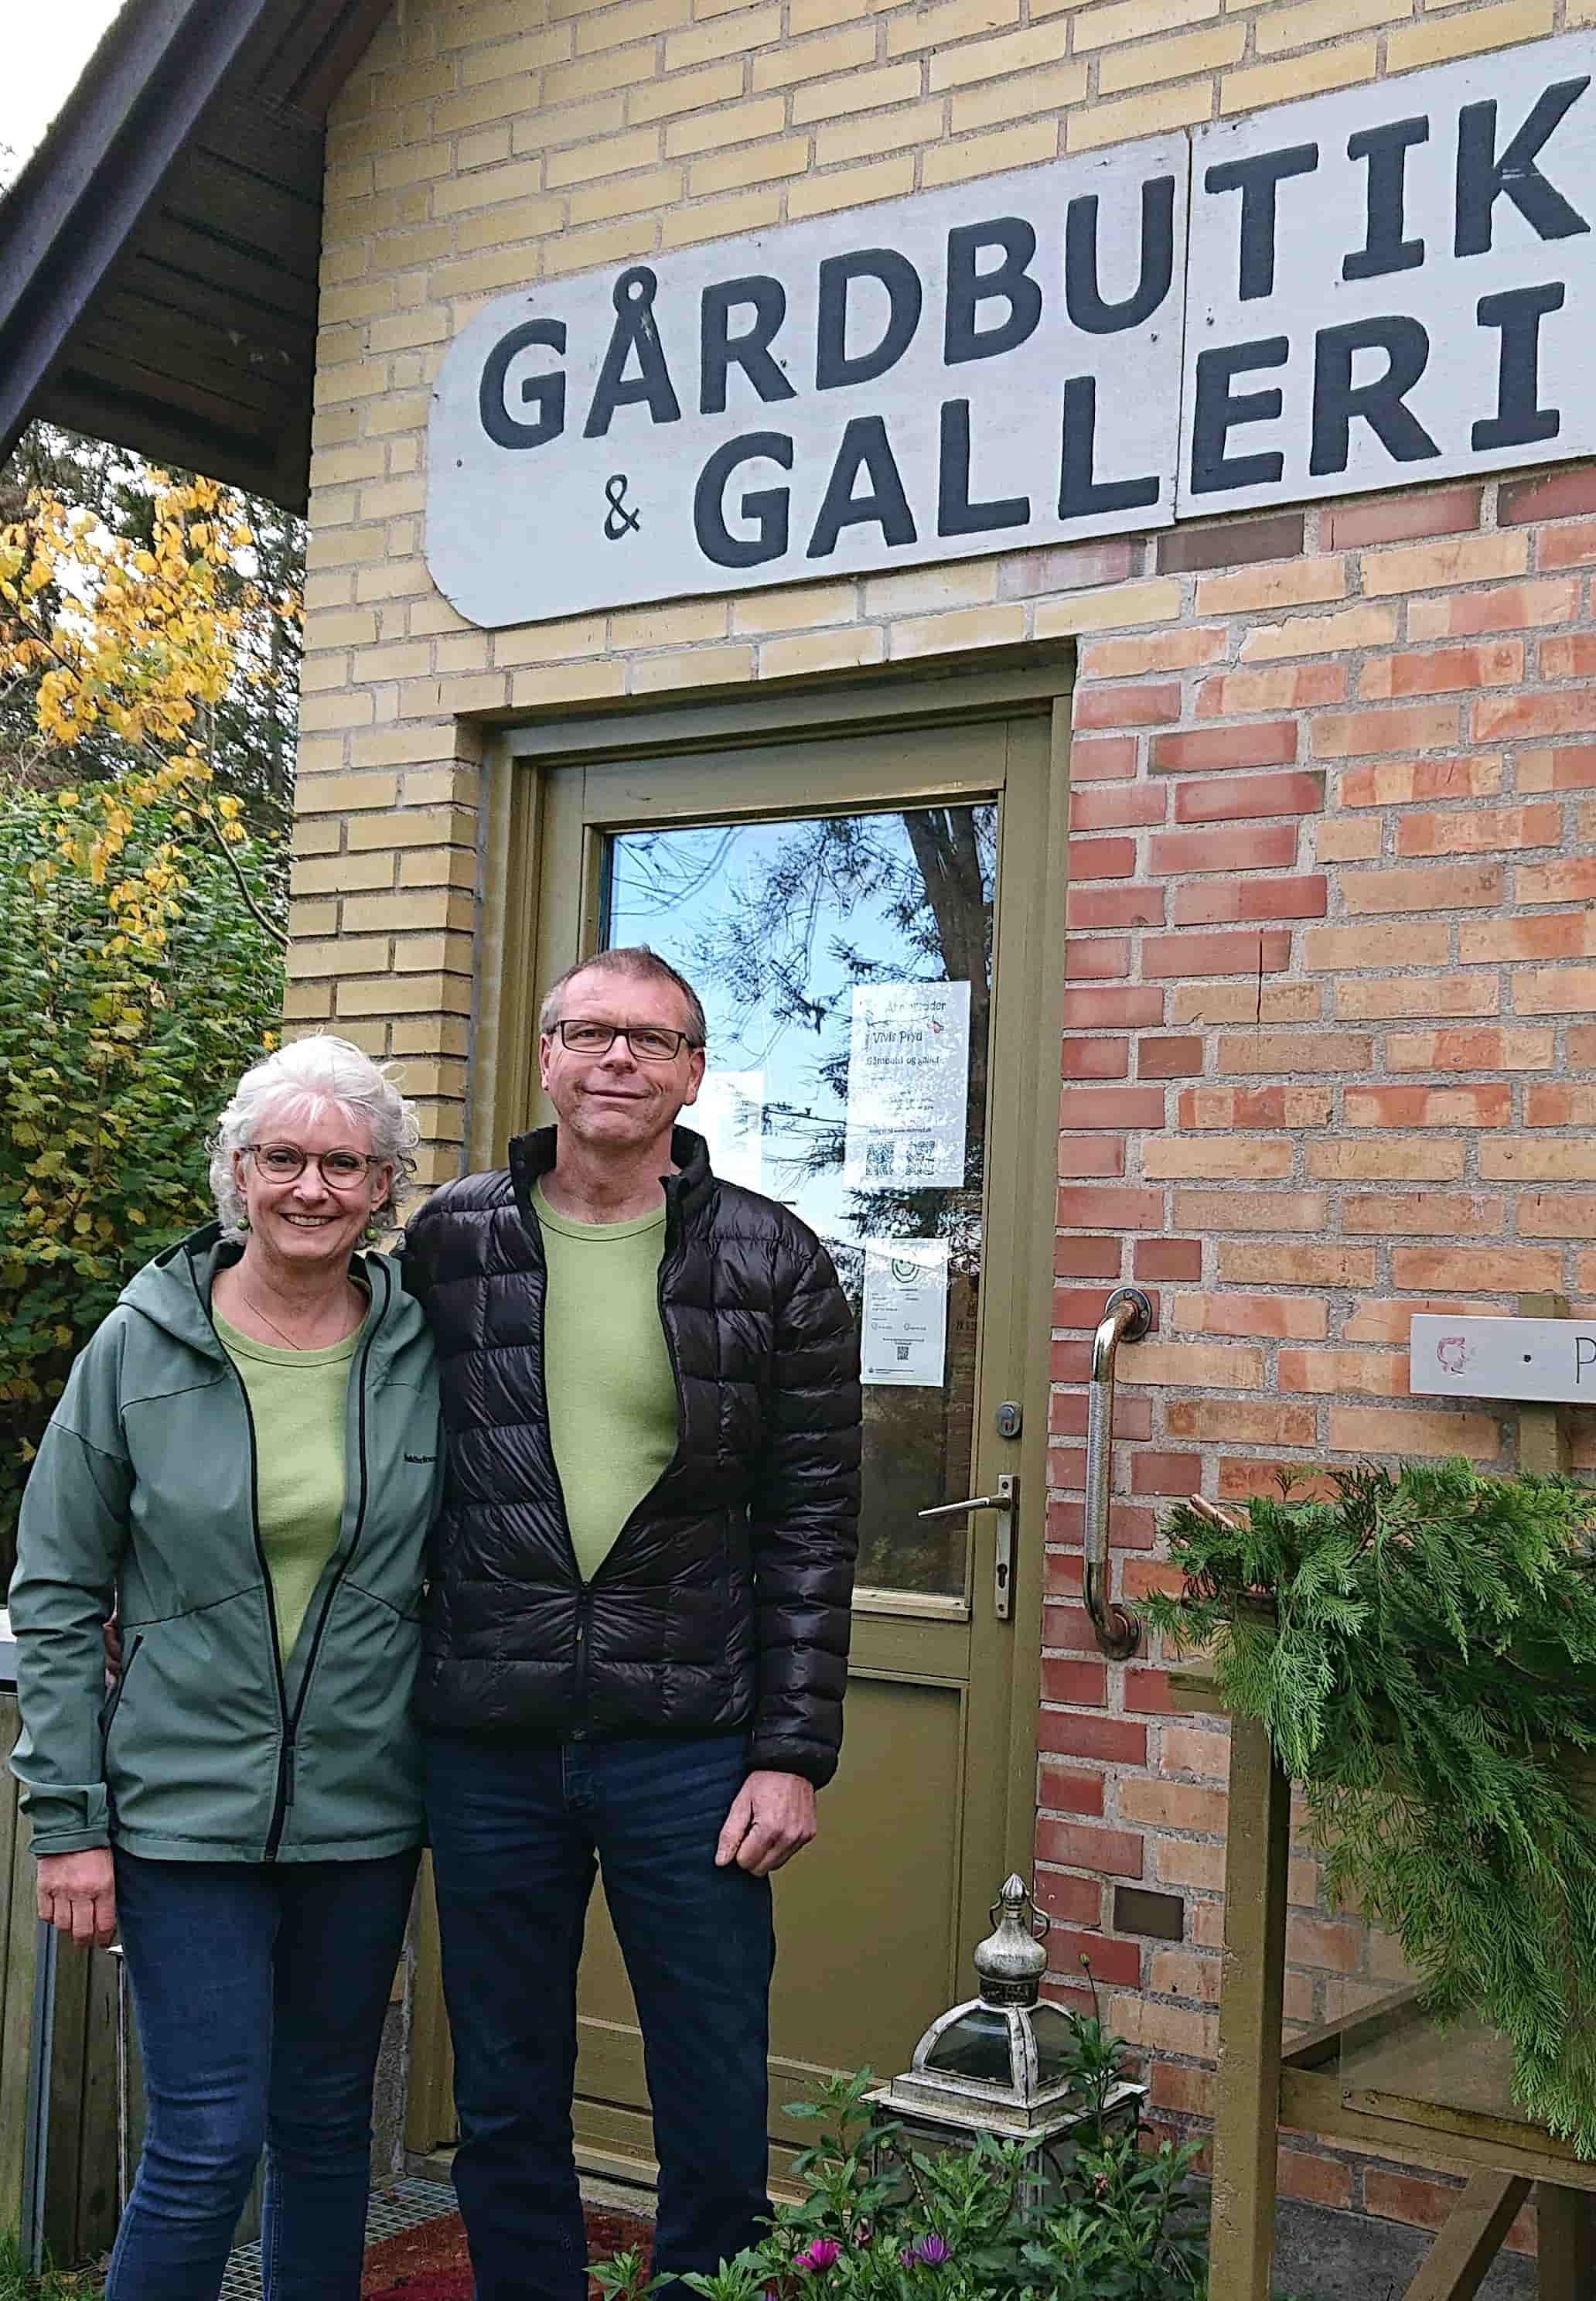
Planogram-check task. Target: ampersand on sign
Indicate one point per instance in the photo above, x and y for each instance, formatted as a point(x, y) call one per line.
point(618, 521)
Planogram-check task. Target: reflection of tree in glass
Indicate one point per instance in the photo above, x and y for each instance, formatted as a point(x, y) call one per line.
point(777, 924)
point(929, 874)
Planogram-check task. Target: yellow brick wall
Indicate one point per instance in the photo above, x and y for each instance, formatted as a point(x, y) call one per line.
point(486, 144)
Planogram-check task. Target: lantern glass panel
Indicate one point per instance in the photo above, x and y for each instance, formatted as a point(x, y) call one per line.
point(1056, 2047)
point(976, 2046)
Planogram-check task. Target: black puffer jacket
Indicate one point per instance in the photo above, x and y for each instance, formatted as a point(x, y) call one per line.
point(725, 1603)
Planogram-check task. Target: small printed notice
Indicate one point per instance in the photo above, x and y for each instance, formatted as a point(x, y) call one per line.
point(904, 1338)
point(908, 1077)
point(730, 1114)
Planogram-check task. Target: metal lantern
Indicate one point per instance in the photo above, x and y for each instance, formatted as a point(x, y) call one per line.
point(1002, 2064)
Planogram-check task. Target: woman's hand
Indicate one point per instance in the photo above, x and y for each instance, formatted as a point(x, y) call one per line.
point(76, 1895)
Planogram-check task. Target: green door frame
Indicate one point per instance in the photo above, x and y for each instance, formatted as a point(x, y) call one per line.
point(523, 943)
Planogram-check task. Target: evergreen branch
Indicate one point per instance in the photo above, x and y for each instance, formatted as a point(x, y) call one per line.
point(1428, 1670)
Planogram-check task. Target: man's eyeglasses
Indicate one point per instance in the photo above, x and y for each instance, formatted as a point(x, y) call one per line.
point(650, 1043)
point(285, 1162)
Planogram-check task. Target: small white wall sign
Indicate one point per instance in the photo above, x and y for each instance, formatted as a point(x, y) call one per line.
point(1549, 1359)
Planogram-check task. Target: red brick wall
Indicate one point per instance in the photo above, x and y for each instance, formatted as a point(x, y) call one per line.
point(1329, 1059)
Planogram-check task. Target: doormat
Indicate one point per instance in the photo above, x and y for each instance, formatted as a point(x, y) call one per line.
point(397, 2206)
point(431, 2262)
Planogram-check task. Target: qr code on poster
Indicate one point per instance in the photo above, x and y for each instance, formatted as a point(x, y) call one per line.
point(878, 1161)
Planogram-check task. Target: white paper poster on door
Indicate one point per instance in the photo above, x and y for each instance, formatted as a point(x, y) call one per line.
point(730, 1114)
point(908, 1078)
point(905, 1325)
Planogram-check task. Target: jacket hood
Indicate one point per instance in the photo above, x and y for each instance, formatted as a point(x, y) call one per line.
point(173, 1292)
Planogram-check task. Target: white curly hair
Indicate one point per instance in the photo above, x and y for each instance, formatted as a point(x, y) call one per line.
point(307, 1074)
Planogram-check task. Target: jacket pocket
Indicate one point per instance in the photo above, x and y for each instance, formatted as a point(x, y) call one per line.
point(194, 1729)
point(359, 1762)
point(112, 1701)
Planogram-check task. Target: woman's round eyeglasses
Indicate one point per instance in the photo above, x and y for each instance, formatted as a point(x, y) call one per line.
point(285, 1162)
point(649, 1043)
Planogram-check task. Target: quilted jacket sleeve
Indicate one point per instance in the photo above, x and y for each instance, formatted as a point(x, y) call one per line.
point(806, 1522)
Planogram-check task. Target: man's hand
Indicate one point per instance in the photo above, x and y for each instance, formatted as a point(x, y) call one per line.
point(772, 1818)
point(76, 1895)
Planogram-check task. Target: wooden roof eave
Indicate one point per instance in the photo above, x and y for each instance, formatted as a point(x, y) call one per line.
point(175, 207)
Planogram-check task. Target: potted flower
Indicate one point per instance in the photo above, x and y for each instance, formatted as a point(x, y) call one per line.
point(879, 2220)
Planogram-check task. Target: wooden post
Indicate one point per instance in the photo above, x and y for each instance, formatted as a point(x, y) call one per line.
point(1545, 1432)
point(77, 2186)
point(1247, 2111)
point(1565, 2242)
point(1460, 2260)
point(429, 2120)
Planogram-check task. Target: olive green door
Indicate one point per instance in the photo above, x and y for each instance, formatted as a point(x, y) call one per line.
point(872, 919)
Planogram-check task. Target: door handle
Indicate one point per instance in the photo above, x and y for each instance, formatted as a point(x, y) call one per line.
point(1007, 1503)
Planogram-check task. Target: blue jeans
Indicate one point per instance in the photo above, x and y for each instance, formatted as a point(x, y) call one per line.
point(260, 1991)
point(516, 1834)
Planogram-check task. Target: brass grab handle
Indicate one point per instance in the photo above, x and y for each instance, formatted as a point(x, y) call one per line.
point(1127, 1316)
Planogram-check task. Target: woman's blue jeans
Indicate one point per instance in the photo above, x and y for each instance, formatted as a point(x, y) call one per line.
point(516, 1830)
point(260, 1991)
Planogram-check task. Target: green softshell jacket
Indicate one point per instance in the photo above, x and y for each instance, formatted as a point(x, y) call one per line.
point(211, 1749)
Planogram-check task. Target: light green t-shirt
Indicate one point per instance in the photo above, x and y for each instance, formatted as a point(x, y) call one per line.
point(612, 1396)
point(298, 1401)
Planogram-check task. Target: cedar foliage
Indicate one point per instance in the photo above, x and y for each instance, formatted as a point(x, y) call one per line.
point(1427, 1671)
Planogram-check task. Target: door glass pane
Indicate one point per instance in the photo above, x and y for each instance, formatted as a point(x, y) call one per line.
point(845, 966)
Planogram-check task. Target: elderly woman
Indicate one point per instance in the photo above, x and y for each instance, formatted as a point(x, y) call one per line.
point(244, 1466)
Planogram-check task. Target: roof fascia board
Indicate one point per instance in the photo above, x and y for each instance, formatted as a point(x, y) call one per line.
point(83, 193)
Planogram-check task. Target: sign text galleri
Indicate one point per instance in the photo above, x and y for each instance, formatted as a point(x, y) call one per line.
point(1367, 290)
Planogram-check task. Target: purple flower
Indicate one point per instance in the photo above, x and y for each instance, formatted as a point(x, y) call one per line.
point(820, 2253)
point(931, 2250)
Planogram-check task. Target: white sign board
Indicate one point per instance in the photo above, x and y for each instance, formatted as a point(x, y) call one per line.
point(1393, 284)
point(966, 371)
point(902, 1339)
point(1374, 287)
point(1549, 1359)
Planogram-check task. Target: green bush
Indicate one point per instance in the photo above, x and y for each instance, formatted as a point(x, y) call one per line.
point(136, 984)
point(1422, 1652)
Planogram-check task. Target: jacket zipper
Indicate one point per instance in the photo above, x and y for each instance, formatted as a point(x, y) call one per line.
point(584, 1625)
point(284, 1798)
point(584, 1588)
point(291, 1723)
point(283, 1793)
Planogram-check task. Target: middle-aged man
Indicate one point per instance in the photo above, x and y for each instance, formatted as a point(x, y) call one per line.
point(637, 1630)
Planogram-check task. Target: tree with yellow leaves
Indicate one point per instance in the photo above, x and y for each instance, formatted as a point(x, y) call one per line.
point(140, 932)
